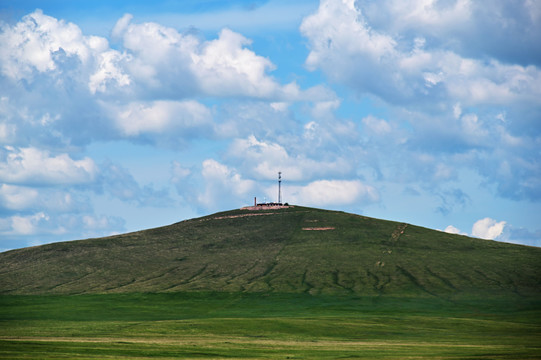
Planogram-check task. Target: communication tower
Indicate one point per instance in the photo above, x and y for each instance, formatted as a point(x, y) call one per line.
point(280, 187)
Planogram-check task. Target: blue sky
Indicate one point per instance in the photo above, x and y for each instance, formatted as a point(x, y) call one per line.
point(120, 116)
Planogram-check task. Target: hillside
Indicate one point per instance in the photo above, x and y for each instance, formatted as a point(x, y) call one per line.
point(295, 250)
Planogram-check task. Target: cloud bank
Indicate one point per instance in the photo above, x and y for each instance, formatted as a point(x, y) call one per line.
point(398, 101)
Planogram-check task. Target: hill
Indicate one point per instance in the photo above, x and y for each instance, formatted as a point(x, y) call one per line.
point(294, 250)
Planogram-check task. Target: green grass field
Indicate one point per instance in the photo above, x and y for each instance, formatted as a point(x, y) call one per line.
point(264, 284)
point(211, 325)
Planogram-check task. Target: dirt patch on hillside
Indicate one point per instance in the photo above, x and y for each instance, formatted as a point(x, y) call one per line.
point(266, 207)
point(239, 216)
point(319, 228)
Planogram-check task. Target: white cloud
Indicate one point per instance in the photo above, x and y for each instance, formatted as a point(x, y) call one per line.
point(329, 193)
point(469, 27)
point(147, 84)
point(170, 62)
point(430, 13)
point(35, 166)
point(108, 71)
point(264, 159)
point(41, 43)
point(488, 228)
point(17, 197)
point(399, 68)
point(27, 225)
point(279, 106)
point(94, 223)
point(162, 117)
point(453, 230)
point(7, 132)
point(223, 185)
point(178, 172)
point(121, 26)
point(30, 44)
point(335, 32)
point(27, 199)
point(491, 229)
point(376, 126)
point(47, 225)
point(446, 100)
point(226, 66)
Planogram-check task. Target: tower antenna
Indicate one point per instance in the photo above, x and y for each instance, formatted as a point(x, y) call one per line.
point(280, 187)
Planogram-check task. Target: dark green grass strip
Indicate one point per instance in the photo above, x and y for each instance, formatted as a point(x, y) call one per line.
point(273, 326)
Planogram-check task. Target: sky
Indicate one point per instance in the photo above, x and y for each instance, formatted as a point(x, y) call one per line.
point(127, 115)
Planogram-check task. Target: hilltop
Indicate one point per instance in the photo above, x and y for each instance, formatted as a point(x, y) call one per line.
point(286, 250)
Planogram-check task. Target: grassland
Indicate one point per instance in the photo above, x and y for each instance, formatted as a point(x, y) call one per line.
point(271, 251)
point(204, 325)
point(295, 283)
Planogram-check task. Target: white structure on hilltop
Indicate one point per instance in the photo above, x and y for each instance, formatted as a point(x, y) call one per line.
point(279, 203)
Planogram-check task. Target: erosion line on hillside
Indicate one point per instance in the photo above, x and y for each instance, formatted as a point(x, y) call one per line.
point(440, 277)
point(509, 284)
point(247, 270)
point(375, 281)
point(121, 285)
point(270, 268)
point(488, 278)
point(414, 280)
point(305, 283)
point(71, 281)
point(160, 274)
point(196, 274)
point(336, 281)
point(382, 280)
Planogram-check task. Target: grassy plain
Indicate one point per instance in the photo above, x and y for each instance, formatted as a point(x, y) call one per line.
point(265, 285)
point(214, 325)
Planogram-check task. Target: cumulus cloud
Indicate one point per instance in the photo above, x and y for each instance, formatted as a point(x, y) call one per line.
point(169, 62)
point(468, 27)
point(376, 126)
point(31, 166)
point(26, 199)
point(159, 117)
point(108, 72)
point(222, 185)
point(55, 227)
point(264, 159)
point(383, 63)
point(178, 172)
point(225, 66)
point(330, 193)
point(25, 225)
point(81, 89)
point(30, 45)
point(456, 102)
point(17, 197)
point(488, 228)
point(453, 230)
point(491, 229)
point(41, 44)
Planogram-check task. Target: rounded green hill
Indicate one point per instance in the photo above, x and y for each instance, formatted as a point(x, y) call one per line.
point(295, 249)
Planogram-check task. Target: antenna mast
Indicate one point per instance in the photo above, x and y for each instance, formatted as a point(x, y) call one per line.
point(279, 187)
